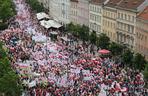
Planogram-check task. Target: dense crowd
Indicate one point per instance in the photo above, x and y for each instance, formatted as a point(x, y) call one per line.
point(65, 66)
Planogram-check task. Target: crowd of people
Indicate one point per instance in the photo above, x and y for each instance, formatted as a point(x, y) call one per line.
point(64, 66)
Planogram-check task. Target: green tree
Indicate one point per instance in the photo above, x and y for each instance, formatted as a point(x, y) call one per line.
point(139, 61)
point(6, 10)
point(70, 27)
point(103, 41)
point(76, 30)
point(115, 48)
point(35, 5)
point(127, 58)
point(93, 37)
point(84, 33)
point(8, 79)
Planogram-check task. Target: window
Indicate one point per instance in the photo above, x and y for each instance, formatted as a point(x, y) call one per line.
point(129, 17)
point(119, 24)
point(108, 14)
point(132, 29)
point(133, 18)
point(122, 25)
point(121, 16)
point(128, 28)
point(125, 17)
point(111, 15)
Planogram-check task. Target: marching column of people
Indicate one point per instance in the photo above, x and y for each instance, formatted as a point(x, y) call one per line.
point(63, 67)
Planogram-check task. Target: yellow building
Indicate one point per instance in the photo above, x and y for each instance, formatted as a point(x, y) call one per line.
point(142, 33)
point(126, 22)
point(109, 19)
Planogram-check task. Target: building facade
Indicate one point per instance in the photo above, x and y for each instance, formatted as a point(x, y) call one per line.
point(74, 11)
point(64, 16)
point(95, 15)
point(54, 9)
point(58, 9)
point(83, 12)
point(142, 33)
point(109, 26)
point(127, 12)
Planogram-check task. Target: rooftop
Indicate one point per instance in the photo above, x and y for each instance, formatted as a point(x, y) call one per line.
point(74, 0)
point(130, 4)
point(112, 3)
point(144, 14)
point(97, 2)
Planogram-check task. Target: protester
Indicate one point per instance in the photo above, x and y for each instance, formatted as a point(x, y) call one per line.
point(66, 67)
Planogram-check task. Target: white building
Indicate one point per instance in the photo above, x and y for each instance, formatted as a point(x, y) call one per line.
point(60, 10)
point(95, 15)
point(83, 12)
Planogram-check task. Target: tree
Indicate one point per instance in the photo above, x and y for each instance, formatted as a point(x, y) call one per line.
point(76, 30)
point(8, 79)
point(139, 61)
point(115, 48)
point(127, 58)
point(70, 27)
point(6, 10)
point(103, 41)
point(93, 37)
point(84, 33)
point(35, 5)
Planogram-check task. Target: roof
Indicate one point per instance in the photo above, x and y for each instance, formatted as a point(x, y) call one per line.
point(50, 23)
point(45, 24)
point(144, 14)
point(42, 15)
point(74, 0)
point(113, 3)
point(130, 4)
point(97, 1)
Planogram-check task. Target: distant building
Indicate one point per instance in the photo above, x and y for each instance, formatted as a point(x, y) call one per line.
point(64, 11)
point(74, 11)
point(142, 33)
point(109, 26)
point(95, 15)
point(83, 12)
point(58, 9)
point(127, 11)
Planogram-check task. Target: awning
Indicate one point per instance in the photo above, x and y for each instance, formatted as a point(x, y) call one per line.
point(54, 24)
point(104, 51)
point(50, 23)
point(42, 15)
point(45, 24)
point(54, 33)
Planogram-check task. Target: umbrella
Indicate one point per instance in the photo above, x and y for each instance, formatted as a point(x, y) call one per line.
point(104, 51)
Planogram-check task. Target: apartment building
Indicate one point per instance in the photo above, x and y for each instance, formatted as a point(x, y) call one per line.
point(53, 7)
point(83, 12)
point(65, 11)
point(58, 9)
point(142, 33)
point(95, 15)
point(74, 11)
point(127, 11)
point(109, 26)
